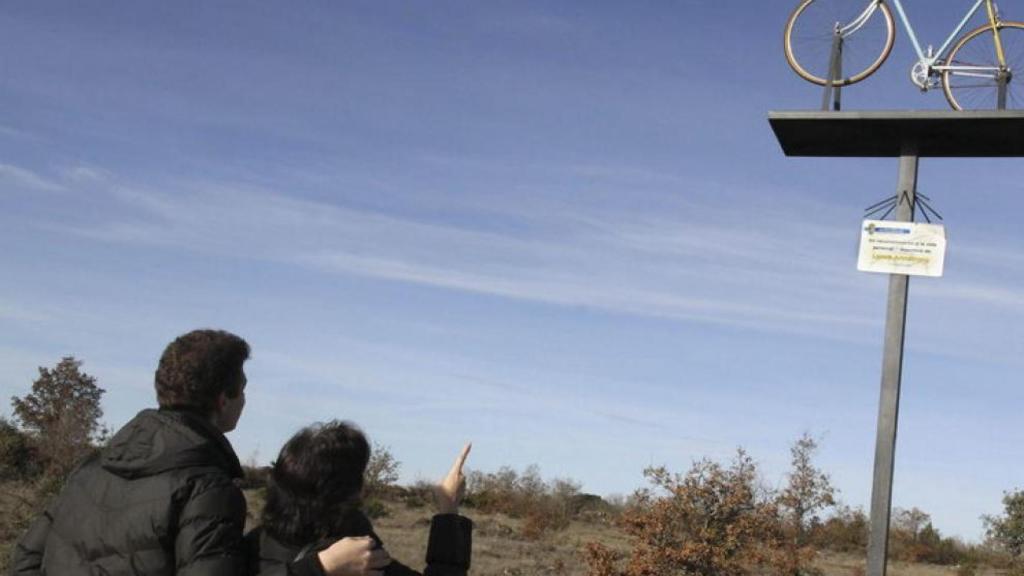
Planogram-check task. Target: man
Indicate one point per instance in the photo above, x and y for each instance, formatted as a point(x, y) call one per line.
point(161, 499)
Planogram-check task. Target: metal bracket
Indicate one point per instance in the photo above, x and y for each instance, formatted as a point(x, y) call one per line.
point(890, 203)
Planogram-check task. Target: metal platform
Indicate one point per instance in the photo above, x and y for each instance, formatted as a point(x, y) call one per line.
point(936, 133)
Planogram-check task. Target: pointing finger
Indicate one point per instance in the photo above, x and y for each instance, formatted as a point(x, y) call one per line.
point(461, 459)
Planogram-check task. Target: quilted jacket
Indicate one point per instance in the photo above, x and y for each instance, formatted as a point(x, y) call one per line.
point(160, 499)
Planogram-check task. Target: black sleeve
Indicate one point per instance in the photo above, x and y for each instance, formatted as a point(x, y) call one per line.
point(28, 553)
point(450, 545)
point(448, 549)
point(280, 561)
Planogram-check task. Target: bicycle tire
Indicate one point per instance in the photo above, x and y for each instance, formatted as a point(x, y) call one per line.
point(977, 48)
point(807, 40)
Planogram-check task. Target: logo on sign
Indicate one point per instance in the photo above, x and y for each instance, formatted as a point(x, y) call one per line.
point(872, 228)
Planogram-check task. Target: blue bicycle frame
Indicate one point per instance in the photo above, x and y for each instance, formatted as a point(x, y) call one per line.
point(931, 57)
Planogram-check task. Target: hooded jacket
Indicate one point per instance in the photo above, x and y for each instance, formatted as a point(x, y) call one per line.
point(159, 499)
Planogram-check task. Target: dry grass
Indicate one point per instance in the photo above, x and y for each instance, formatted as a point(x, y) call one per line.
point(19, 505)
point(499, 549)
point(853, 565)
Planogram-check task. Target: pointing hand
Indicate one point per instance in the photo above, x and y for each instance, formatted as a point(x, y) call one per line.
point(453, 487)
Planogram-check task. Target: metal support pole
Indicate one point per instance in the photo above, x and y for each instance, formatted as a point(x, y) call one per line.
point(835, 71)
point(892, 369)
point(1001, 90)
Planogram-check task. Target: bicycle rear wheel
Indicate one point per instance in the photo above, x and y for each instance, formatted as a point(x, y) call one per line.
point(811, 28)
point(968, 89)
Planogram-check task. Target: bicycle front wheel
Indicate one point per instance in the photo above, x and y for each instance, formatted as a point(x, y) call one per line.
point(970, 75)
point(867, 38)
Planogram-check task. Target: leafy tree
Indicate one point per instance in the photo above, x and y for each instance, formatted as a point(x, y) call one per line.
point(61, 414)
point(912, 521)
point(381, 471)
point(808, 491)
point(1007, 530)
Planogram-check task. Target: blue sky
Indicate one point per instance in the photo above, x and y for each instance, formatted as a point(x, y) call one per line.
point(564, 231)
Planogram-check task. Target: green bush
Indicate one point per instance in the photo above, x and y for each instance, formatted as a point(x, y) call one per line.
point(374, 508)
point(18, 459)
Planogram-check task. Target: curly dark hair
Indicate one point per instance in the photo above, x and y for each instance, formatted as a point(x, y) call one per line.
point(197, 367)
point(316, 483)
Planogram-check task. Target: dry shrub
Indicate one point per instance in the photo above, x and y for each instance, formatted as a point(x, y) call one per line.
point(20, 503)
point(601, 560)
point(712, 521)
point(419, 495)
point(845, 531)
point(544, 506)
point(539, 522)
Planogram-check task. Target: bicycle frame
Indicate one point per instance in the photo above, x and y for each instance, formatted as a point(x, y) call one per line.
point(930, 58)
point(930, 65)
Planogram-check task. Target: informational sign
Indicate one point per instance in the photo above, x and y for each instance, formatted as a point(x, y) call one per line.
point(902, 248)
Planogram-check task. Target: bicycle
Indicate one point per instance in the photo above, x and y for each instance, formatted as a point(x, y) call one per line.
point(822, 37)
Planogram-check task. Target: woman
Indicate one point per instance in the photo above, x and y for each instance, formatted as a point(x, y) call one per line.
point(314, 497)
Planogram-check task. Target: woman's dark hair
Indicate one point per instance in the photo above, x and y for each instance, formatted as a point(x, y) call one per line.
point(197, 367)
point(316, 483)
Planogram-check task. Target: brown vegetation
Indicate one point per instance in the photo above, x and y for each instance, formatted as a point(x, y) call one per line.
point(715, 519)
point(542, 506)
point(61, 415)
point(711, 521)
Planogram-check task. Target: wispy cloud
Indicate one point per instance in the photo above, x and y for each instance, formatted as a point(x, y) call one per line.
point(989, 256)
point(631, 264)
point(86, 173)
point(23, 178)
point(994, 296)
point(10, 132)
point(718, 267)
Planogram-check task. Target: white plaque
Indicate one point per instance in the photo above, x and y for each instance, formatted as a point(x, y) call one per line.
point(902, 248)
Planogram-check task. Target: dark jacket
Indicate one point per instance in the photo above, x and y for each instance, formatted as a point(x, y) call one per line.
point(448, 549)
point(160, 499)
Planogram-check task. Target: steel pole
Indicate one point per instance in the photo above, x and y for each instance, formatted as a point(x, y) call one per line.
point(1001, 90)
point(835, 62)
point(892, 369)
